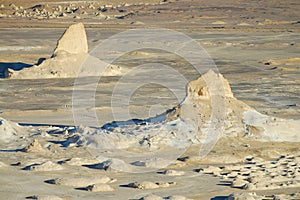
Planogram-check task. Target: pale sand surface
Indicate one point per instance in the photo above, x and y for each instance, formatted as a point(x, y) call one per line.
point(255, 46)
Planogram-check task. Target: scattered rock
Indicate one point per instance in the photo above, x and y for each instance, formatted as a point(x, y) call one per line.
point(219, 23)
point(184, 159)
point(33, 147)
point(244, 196)
point(261, 174)
point(45, 197)
point(165, 184)
point(233, 174)
point(79, 161)
point(81, 181)
point(156, 197)
point(177, 197)
point(151, 197)
point(173, 173)
point(211, 170)
point(145, 185)
point(249, 158)
point(105, 165)
point(239, 183)
point(232, 168)
point(46, 166)
point(99, 188)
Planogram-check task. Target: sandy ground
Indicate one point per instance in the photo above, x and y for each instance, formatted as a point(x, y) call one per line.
point(254, 44)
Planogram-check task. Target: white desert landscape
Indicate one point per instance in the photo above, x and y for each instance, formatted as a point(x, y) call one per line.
point(150, 100)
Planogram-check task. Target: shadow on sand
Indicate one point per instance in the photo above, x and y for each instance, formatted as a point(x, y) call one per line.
point(16, 66)
point(220, 198)
point(4, 66)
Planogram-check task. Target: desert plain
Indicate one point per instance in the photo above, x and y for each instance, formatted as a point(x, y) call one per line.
point(46, 153)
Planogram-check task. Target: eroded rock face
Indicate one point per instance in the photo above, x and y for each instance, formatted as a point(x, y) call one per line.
point(208, 85)
point(69, 54)
point(69, 58)
point(73, 41)
point(211, 103)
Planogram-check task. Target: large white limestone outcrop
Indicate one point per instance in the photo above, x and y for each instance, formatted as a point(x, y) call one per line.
point(70, 54)
point(73, 41)
point(210, 100)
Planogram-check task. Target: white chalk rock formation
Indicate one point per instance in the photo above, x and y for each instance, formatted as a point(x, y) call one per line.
point(210, 103)
point(8, 130)
point(73, 41)
point(70, 54)
point(209, 112)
